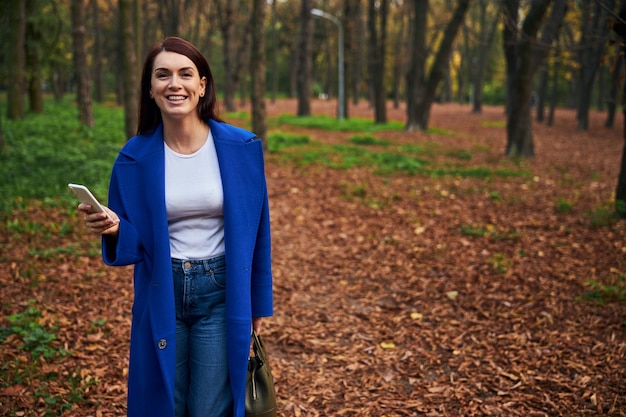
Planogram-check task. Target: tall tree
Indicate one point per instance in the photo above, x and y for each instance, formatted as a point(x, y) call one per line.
point(275, 68)
point(81, 68)
point(304, 60)
point(519, 43)
point(487, 30)
point(171, 16)
point(234, 41)
point(34, 38)
point(422, 88)
point(594, 31)
point(377, 13)
point(616, 73)
point(257, 70)
point(543, 49)
point(399, 60)
point(353, 41)
point(619, 27)
point(16, 59)
point(130, 97)
point(97, 58)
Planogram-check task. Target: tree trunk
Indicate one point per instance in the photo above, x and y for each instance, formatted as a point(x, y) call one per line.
point(377, 24)
point(487, 35)
point(620, 192)
point(611, 103)
point(593, 43)
point(81, 69)
point(171, 13)
point(351, 24)
point(519, 52)
point(235, 35)
point(257, 71)
point(1, 137)
point(399, 58)
point(274, 70)
point(304, 63)
point(33, 59)
point(129, 68)
point(542, 91)
point(418, 118)
point(16, 61)
point(416, 75)
point(227, 26)
point(96, 67)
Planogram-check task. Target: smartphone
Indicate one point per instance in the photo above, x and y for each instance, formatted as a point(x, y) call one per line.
point(85, 196)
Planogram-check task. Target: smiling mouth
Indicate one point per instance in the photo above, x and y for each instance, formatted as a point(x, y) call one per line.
point(176, 98)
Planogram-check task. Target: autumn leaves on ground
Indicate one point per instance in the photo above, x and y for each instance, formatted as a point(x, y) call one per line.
point(396, 294)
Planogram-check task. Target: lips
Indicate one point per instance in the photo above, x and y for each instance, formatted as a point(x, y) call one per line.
point(176, 98)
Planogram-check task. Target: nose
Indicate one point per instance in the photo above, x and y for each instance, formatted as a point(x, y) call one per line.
point(174, 81)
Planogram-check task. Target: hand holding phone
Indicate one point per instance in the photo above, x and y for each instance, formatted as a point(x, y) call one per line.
point(85, 196)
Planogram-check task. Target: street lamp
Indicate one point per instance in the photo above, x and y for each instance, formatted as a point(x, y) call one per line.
point(341, 98)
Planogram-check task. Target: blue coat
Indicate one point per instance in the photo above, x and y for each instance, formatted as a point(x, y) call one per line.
point(137, 195)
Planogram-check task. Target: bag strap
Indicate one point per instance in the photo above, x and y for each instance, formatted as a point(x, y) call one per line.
point(259, 349)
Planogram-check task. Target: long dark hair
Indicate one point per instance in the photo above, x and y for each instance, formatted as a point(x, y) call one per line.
point(149, 113)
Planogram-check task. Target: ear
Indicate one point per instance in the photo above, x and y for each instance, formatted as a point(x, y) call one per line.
point(151, 96)
point(202, 86)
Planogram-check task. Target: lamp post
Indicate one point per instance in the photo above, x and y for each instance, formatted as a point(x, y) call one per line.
point(341, 96)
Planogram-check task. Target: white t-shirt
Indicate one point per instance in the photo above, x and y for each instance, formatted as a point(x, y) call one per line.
point(194, 201)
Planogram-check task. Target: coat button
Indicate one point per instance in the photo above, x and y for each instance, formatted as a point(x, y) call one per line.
point(162, 344)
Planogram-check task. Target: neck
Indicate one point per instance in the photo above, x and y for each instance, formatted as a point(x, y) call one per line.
point(185, 136)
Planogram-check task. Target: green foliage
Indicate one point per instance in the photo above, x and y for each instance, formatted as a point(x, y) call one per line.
point(408, 159)
point(277, 141)
point(603, 216)
point(45, 152)
point(460, 154)
point(368, 140)
point(333, 124)
point(499, 123)
point(489, 231)
point(603, 292)
point(500, 263)
point(495, 196)
point(563, 206)
point(473, 231)
point(35, 338)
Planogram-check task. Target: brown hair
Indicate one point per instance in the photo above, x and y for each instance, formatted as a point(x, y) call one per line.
point(149, 113)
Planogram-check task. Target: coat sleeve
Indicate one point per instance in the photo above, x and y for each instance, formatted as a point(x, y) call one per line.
point(261, 283)
point(126, 248)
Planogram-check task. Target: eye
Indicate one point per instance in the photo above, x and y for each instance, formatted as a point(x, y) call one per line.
point(160, 75)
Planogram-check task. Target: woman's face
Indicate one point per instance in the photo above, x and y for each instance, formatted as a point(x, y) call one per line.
point(175, 85)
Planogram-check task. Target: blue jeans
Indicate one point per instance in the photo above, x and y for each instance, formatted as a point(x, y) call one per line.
point(202, 387)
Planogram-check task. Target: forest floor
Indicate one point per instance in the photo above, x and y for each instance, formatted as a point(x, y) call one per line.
point(395, 295)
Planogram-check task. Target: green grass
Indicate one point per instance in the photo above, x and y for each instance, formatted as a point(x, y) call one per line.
point(45, 152)
point(368, 140)
point(333, 124)
point(277, 141)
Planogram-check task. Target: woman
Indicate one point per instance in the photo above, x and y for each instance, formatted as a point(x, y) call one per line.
point(189, 208)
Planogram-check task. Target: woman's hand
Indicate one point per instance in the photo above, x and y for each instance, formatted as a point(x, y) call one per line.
point(99, 223)
point(256, 324)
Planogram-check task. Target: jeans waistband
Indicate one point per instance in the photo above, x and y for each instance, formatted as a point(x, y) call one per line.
point(207, 264)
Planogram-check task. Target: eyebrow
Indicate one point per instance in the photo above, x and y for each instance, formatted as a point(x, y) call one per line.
point(167, 69)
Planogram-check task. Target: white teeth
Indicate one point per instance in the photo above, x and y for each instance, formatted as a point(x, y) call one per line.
point(176, 98)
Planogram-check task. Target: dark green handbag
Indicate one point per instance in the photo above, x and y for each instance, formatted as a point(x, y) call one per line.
point(260, 393)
